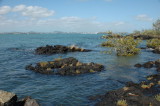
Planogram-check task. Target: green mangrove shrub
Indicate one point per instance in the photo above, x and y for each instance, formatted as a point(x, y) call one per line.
point(108, 43)
point(127, 46)
point(153, 43)
point(154, 32)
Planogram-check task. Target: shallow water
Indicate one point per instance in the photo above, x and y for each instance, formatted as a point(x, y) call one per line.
point(17, 51)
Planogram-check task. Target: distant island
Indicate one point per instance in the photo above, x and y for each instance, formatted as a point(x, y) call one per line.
point(55, 32)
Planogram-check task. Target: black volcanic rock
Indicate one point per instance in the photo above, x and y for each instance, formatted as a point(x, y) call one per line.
point(138, 65)
point(145, 93)
point(148, 64)
point(66, 66)
point(143, 37)
point(48, 50)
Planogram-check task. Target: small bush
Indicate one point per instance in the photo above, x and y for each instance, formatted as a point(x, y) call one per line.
point(107, 44)
point(126, 46)
point(153, 43)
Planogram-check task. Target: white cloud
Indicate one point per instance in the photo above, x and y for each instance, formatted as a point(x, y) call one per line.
point(92, 0)
point(119, 23)
point(37, 12)
point(19, 8)
point(38, 21)
point(143, 17)
point(29, 11)
point(108, 0)
point(4, 10)
point(66, 24)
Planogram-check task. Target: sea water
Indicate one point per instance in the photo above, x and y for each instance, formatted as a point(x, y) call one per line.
point(17, 51)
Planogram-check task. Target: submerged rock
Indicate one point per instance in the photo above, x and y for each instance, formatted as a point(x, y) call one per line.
point(10, 99)
point(47, 50)
point(66, 66)
point(138, 65)
point(149, 64)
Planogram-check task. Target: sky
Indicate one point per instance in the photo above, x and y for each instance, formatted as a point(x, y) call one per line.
point(78, 15)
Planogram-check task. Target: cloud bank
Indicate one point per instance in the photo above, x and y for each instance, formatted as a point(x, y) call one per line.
point(30, 11)
point(143, 17)
point(34, 18)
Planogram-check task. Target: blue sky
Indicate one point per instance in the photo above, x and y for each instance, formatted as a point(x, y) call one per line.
point(78, 15)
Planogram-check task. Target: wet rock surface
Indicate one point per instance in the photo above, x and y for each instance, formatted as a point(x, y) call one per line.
point(11, 99)
point(143, 37)
point(149, 64)
point(127, 96)
point(145, 93)
point(66, 66)
point(48, 50)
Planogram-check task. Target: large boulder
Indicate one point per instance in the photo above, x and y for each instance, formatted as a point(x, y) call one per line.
point(66, 66)
point(7, 98)
point(10, 99)
point(48, 50)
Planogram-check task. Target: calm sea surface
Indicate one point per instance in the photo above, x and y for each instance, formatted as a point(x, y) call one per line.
point(17, 51)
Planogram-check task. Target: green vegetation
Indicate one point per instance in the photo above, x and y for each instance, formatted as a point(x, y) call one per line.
point(157, 97)
point(122, 103)
point(125, 46)
point(149, 32)
point(107, 44)
point(156, 25)
point(153, 43)
point(155, 32)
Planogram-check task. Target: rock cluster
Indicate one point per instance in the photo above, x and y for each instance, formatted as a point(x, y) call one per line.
point(143, 37)
point(150, 64)
point(10, 99)
point(48, 50)
point(145, 93)
point(66, 66)
point(133, 94)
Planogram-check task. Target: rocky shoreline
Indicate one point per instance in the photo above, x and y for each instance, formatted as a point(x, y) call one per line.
point(11, 99)
point(145, 93)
